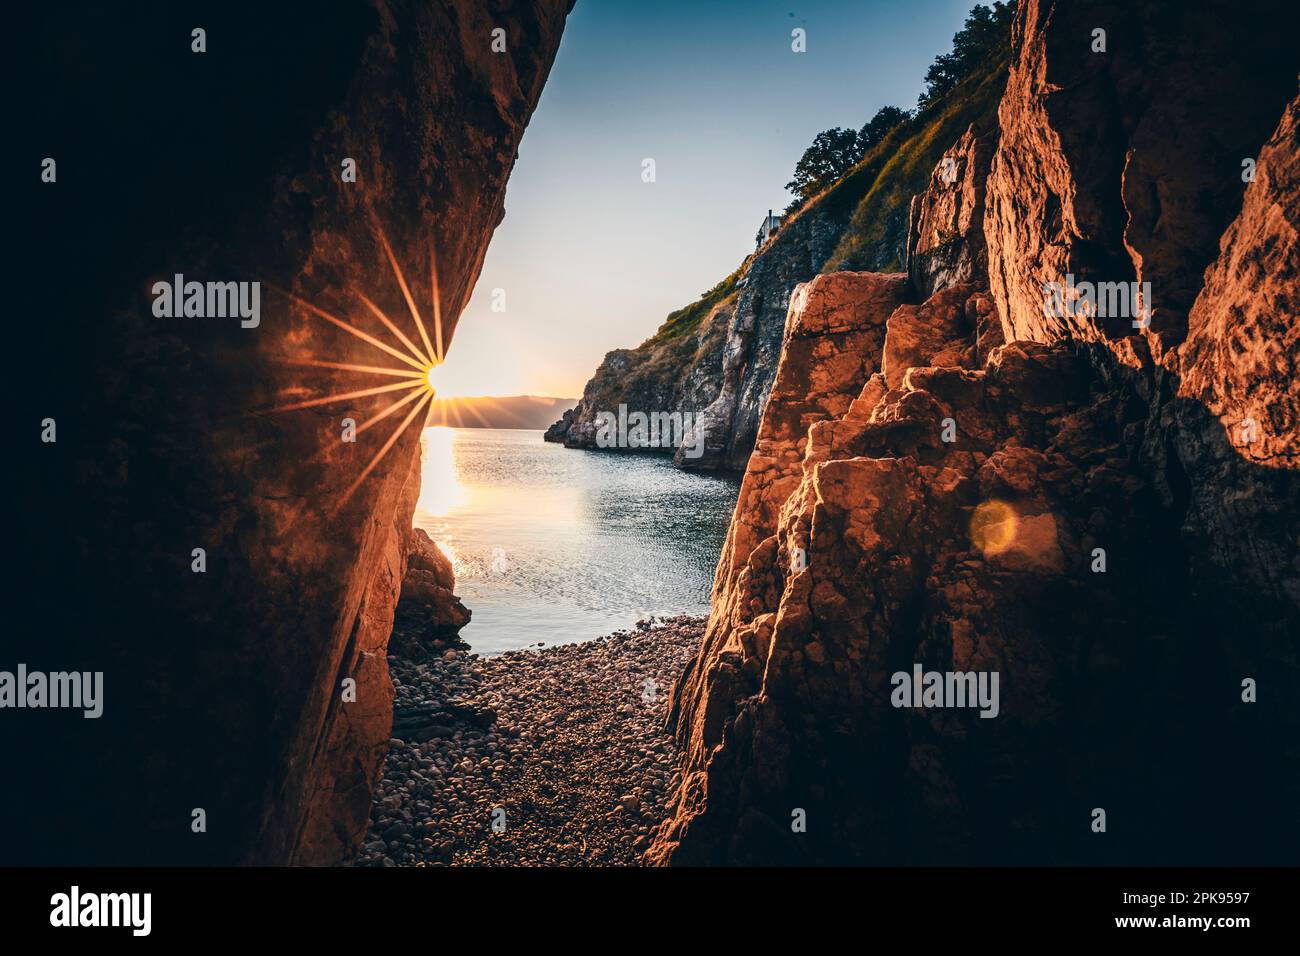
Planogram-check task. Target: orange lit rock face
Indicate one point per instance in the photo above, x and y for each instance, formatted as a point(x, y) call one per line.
point(1237, 410)
point(441, 189)
point(945, 241)
point(1126, 165)
point(833, 339)
point(1241, 352)
point(883, 545)
point(1089, 526)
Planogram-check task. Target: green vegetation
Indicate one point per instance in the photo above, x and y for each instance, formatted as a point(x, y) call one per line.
point(833, 153)
point(882, 185)
point(880, 126)
point(836, 151)
point(983, 38)
point(686, 320)
point(870, 175)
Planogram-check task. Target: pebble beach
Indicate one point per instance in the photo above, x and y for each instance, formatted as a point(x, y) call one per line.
point(540, 757)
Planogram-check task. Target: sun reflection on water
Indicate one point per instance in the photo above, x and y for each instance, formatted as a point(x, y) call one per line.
point(440, 488)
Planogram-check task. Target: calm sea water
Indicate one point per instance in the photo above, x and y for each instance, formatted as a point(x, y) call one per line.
point(557, 545)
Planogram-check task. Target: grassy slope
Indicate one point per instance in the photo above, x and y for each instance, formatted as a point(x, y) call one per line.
point(671, 353)
point(686, 320)
point(899, 167)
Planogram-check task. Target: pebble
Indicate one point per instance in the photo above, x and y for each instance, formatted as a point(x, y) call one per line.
point(556, 757)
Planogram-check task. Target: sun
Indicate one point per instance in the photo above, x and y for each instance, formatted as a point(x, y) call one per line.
point(416, 380)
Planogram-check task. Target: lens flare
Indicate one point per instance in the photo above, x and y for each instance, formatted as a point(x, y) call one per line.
point(993, 526)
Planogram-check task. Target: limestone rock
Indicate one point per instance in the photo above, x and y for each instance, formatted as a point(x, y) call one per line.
point(1237, 410)
point(730, 424)
point(678, 373)
point(937, 332)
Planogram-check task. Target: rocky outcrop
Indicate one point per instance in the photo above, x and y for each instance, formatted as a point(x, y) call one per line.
point(945, 236)
point(721, 374)
point(835, 333)
point(728, 427)
point(429, 615)
point(1235, 418)
point(676, 372)
point(1089, 151)
point(247, 697)
point(560, 429)
point(1066, 502)
point(1126, 165)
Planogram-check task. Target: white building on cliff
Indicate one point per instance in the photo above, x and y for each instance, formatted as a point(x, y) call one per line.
point(768, 229)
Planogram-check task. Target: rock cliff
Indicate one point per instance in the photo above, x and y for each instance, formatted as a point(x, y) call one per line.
point(945, 236)
point(247, 701)
point(674, 372)
point(1103, 516)
point(860, 223)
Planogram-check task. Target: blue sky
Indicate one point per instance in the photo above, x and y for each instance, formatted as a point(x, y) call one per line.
point(592, 258)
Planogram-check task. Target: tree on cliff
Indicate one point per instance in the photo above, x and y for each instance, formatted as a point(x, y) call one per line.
point(830, 156)
point(985, 35)
point(879, 126)
point(835, 151)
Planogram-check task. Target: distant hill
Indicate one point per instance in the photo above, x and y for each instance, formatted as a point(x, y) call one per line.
point(515, 411)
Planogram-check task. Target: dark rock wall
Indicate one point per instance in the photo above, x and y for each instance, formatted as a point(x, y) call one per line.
point(887, 544)
point(1127, 164)
point(223, 689)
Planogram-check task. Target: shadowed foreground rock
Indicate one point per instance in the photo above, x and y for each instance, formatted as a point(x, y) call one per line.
point(1076, 509)
point(229, 692)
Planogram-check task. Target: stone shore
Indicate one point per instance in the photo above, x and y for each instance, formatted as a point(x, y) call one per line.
point(554, 756)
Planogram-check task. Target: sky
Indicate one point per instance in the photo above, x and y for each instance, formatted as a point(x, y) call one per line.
point(590, 257)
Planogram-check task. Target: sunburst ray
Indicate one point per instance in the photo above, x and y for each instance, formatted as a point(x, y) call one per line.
point(349, 367)
point(380, 416)
point(420, 361)
point(365, 337)
point(476, 413)
point(392, 440)
point(388, 323)
point(406, 291)
point(345, 396)
point(437, 300)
